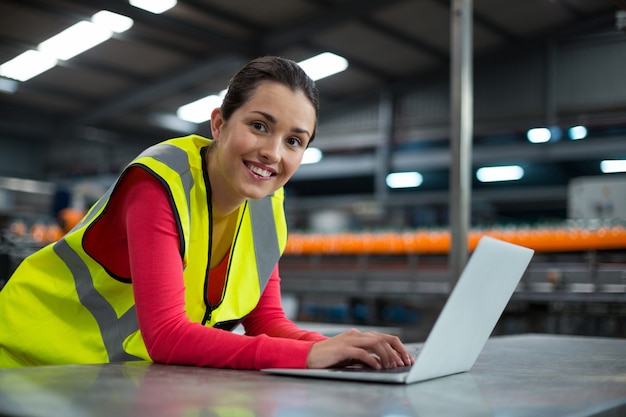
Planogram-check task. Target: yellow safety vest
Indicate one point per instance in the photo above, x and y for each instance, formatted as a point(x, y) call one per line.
point(62, 306)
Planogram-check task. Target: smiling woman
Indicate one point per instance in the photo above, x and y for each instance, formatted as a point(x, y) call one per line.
point(185, 246)
point(260, 146)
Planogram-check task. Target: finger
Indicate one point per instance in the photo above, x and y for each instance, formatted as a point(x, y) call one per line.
point(378, 344)
point(361, 356)
point(394, 357)
point(403, 356)
point(395, 354)
point(388, 348)
point(366, 358)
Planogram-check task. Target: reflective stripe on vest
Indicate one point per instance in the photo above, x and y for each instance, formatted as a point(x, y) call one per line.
point(176, 158)
point(113, 330)
point(266, 247)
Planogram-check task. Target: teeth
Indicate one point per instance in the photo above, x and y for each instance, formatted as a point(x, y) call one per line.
point(259, 171)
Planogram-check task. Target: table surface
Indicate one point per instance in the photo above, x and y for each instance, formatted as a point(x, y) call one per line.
point(522, 375)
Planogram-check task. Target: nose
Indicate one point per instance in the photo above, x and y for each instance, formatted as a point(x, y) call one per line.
point(270, 150)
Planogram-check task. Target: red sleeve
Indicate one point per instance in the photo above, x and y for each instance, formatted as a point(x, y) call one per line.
point(158, 285)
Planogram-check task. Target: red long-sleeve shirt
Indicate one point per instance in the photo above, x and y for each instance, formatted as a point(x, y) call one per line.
point(137, 238)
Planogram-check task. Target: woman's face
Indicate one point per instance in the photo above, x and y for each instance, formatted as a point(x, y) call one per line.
point(260, 147)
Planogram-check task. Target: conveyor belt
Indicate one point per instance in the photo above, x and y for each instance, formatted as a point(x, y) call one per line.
point(541, 239)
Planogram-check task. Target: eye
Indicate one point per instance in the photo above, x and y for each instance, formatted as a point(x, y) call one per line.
point(259, 126)
point(294, 141)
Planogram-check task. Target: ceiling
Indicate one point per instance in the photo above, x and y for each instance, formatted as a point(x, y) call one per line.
point(126, 87)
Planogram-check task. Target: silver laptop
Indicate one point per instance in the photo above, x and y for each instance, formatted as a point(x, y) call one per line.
point(464, 324)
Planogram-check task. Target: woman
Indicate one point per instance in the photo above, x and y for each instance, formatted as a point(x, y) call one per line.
point(184, 247)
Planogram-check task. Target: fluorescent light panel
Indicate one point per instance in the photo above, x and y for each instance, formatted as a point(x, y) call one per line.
point(577, 132)
point(172, 122)
point(27, 65)
point(404, 180)
point(611, 166)
point(65, 45)
point(199, 111)
point(27, 186)
point(114, 22)
point(153, 6)
point(323, 65)
point(75, 40)
point(539, 135)
point(7, 85)
point(500, 173)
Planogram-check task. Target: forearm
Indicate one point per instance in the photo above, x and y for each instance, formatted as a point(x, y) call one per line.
point(193, 344)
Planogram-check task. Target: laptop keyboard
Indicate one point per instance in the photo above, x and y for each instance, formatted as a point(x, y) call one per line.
point(397, 370)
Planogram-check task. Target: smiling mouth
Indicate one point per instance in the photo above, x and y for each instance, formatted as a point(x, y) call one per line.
point(260, 171)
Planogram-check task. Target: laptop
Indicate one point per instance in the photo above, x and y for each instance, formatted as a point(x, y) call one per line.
point(463, 326)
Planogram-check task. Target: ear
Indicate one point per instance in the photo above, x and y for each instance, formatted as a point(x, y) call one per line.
point(217, 122)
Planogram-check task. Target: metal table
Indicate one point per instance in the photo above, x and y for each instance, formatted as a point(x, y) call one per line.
point(522, 375)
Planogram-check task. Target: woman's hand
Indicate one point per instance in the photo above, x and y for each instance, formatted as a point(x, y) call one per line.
point(376, 350)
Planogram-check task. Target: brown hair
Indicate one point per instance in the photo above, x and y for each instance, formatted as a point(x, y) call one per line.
point(268, 68)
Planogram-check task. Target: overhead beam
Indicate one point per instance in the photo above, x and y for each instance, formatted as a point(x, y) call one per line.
point(175, 82)
point(330, 16)
point(545, 194)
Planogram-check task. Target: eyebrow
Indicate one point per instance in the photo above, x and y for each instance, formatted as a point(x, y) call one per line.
point(273, 120)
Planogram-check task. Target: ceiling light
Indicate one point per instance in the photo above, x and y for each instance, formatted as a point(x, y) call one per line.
point(404, 180)
point(620, 20)
point(27, 65)
point(501, 173)
point(539, 135)
point(65, 45)
point(612, 166)
point(171, 122)
point(27, 186)
point(74, 40)
point(199, 111)
point(311, 156)
point(112, 21)
point(153, 6)
point(323, 65)
point(577, 132)
point(7, 85)
point(317, 67)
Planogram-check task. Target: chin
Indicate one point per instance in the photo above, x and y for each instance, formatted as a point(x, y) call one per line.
point(264, 190)
point(256, 195)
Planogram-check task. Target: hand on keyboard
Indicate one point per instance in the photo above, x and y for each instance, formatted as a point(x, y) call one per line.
point(373, 349)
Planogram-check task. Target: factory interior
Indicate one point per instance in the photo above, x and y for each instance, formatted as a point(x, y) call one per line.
point(542, 93)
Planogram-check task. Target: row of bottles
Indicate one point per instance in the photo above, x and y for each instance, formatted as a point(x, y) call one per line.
point(40, 231)
point(567, 237)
